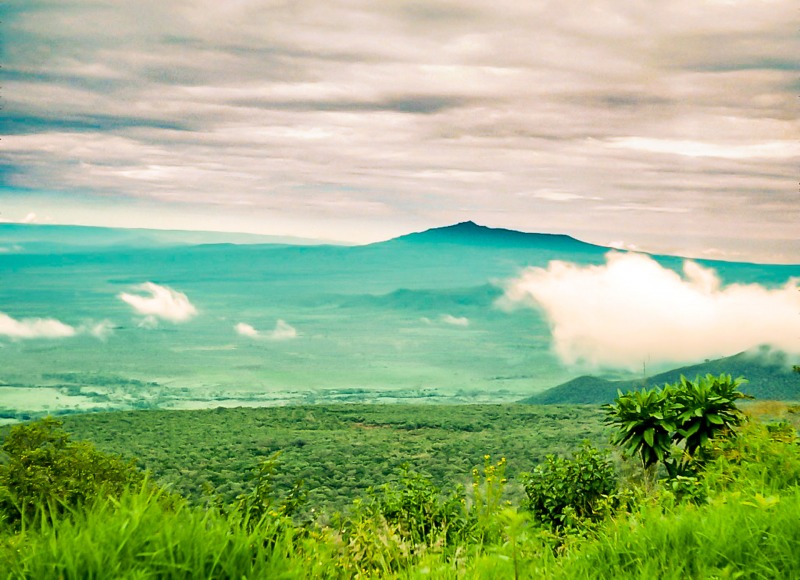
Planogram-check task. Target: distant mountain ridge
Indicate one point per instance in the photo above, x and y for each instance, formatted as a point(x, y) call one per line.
point(470, 233)
point(769, 376)
point(18, 237)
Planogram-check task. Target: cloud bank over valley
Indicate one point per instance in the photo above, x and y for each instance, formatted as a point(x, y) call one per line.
point(633, 311)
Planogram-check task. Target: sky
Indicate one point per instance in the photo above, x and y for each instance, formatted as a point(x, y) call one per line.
point(663, 126)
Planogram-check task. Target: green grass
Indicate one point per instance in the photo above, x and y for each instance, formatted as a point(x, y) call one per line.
point(746, 524)
point(733, 537)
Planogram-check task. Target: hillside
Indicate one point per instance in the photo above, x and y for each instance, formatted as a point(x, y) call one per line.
point(769, 377)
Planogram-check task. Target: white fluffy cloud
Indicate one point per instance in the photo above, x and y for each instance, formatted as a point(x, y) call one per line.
point(245, 329)
point(34, 328)
point(160, 302)
point(282, 331)
point(632, 310)
point(455, 320)
point(29, 328)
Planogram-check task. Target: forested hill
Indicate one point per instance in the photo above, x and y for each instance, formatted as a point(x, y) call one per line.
point(769, 377)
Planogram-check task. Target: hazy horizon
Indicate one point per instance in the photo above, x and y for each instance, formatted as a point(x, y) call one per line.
point(247, 237)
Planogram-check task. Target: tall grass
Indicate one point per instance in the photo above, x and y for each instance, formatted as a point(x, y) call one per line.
point(138, 537)
point(744, 524)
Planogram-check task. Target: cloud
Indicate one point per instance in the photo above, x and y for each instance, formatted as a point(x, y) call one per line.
point(148, 323)
point(245, 329)
point(560, 196)
point(100, 330)
point(282, 331)
point(622, 245)
point(28, 328)
point(632, 311)
point(404, 109)
point(455, 320)
point(160, 302)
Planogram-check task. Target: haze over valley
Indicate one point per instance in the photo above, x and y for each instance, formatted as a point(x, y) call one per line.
point(100, 320)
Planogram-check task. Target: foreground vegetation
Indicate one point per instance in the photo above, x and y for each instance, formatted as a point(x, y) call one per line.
point(681, 506)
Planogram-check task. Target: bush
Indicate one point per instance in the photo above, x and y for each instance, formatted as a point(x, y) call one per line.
point(42, 468)
point(687, 414)
point(563, 491)
point(421, 511)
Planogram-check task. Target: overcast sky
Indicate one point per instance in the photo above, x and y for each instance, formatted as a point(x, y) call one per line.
point(671, 126)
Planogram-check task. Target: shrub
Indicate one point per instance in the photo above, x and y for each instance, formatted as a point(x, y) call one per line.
point(421, 511)
point(687, 414)
point(262, 499)
point(563, 491)
point(43, 468)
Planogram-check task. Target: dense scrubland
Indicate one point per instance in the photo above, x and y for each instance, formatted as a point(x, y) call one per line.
point(675, 482)
point(337, 450)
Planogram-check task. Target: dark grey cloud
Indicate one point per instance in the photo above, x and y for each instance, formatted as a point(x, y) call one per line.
point(423, 105)
point(17, 124)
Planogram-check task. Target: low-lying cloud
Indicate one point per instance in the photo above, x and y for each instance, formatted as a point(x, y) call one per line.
point(51, 328)
point(27, 328)
point(455, 320)
point(632, 310)
point(244, 329)
point(160, 303)
point(282, 331)
point(100, 330)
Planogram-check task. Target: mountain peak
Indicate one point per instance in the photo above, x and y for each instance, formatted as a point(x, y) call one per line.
point(472, 234)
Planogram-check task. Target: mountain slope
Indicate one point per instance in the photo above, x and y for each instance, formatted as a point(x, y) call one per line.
point(769, 376)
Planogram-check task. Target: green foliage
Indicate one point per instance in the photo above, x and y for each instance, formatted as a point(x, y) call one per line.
point(745, 526)
point(488, 486)
point(43, 468)
point(687, 414)
point(645, 422)
point(420, 510)
point(262, 501)
point(562, 492)
point(782, 431)
point(337, 450)
point(734, 537)
point(705, 409)
point(767, 457)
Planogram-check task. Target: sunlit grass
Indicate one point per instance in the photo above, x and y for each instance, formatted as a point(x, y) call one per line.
point(746, 524)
